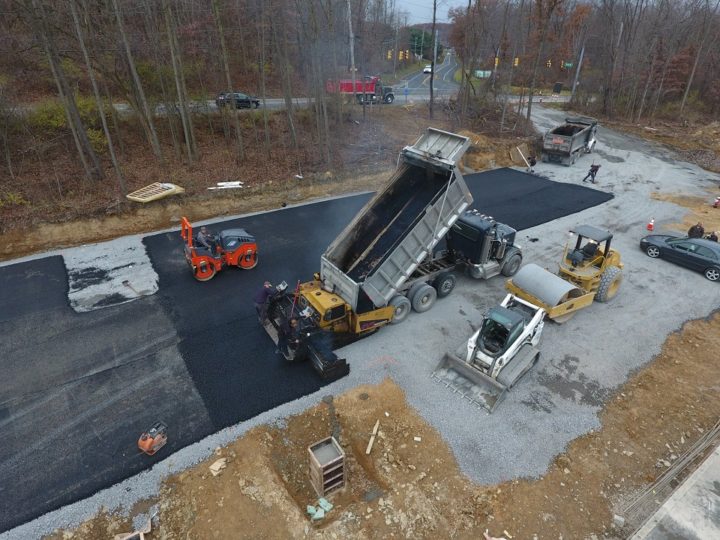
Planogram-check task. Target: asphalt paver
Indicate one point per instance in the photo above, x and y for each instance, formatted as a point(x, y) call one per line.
point(79, 388)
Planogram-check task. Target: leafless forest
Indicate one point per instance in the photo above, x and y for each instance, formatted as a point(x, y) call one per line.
point(64, 62)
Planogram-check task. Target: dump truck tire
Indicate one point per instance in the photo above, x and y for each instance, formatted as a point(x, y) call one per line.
point(402, 309)
point(444, 284)
point(512, 264)
point(424, 298)
point(609, 284)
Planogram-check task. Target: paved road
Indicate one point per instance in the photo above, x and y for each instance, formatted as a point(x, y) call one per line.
point(79, 388)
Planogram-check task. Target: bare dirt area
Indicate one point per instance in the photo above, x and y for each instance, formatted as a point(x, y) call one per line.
point(699, 144)
point(410, 486)
point(700, 211)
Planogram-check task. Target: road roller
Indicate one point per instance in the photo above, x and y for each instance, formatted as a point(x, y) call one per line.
point(590, 270)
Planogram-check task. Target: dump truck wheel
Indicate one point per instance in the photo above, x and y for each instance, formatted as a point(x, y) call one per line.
point(424, 298)
point(402, 308)
point(389, 99)
point(512, 265)
point(444, 284)
point(609, 284)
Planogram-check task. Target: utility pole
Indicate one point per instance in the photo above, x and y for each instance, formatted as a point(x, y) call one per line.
point(395, 50)
point(352, 55)
point(577, 73)
point(432, 71)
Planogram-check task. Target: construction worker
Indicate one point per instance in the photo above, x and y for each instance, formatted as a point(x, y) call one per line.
point(261, 300)
point(288, 336)
point(591, 174)
point(206, 240)
point(696, 231)
point(532, 161)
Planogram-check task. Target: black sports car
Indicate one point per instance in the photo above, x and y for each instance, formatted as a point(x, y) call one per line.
point(695, 253)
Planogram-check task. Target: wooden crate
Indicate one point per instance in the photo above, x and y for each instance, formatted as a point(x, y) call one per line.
point(327, 466)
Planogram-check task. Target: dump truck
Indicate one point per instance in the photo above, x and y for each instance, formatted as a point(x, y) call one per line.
point(590, 270)
point(384, 263)
point(497, 355)
point(566, 142)
point(367, 89)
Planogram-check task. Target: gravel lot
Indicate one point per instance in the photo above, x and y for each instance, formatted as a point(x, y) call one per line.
point(582, 361)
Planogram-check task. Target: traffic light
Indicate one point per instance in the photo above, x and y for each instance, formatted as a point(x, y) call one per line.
point(549, 63)
point(516, 62)
point(407, 54)
point(497, 61)
point(389, 55)
point(400, 55)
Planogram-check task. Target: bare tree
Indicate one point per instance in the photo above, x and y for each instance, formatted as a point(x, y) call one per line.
point(144, 108)
point(176, 59)
point(98, 99)
point(90, 161)
point(239, 151)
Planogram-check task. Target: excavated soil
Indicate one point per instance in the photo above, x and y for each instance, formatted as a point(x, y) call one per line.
point(700, 211)
point(409, 488)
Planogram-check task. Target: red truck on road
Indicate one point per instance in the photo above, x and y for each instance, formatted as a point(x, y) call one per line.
point(367, 89)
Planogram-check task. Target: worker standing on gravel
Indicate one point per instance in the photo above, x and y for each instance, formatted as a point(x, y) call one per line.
point(532, 161)
point(591, 174)
point(261, 300)
point(696, 231)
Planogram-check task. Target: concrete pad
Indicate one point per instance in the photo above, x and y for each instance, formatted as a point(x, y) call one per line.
point(693, 510)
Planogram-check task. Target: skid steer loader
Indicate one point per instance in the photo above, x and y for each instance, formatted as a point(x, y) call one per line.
point(497, 355)
point(589, 271)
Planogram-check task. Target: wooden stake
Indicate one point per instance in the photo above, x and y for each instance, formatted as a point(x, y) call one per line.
point(372, 438)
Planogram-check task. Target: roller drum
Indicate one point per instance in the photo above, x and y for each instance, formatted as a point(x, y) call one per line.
point(545, 286)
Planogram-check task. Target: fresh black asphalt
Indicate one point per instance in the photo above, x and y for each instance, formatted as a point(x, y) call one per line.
point(79, 388)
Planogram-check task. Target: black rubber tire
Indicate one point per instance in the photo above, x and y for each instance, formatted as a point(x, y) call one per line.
point(712, 273)
point(424, 298)
point(402, 308)
point(511, 264)
point(444, 284)
point(609, 284)
point(652, 251)
point(389, 99)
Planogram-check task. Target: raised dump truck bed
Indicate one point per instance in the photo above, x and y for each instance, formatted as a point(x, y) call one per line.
point(371, 260)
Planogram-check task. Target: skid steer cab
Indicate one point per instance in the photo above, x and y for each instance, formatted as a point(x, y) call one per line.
point(232, 247)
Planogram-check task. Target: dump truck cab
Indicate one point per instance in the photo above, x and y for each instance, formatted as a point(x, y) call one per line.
point(483, 245)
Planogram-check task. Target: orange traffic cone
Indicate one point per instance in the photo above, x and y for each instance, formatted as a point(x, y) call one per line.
point(651, 225)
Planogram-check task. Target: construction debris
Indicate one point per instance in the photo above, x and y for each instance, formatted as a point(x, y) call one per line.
point(139, 534)
point(217, 467)
point(372, 438)
point(228, 185)
point(153, 192)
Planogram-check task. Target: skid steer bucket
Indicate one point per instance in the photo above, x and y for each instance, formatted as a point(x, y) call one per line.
point(465, 380)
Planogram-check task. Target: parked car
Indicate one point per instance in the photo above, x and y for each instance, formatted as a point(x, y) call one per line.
point(427, 69)
point(242, 101)
point(694, 253)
